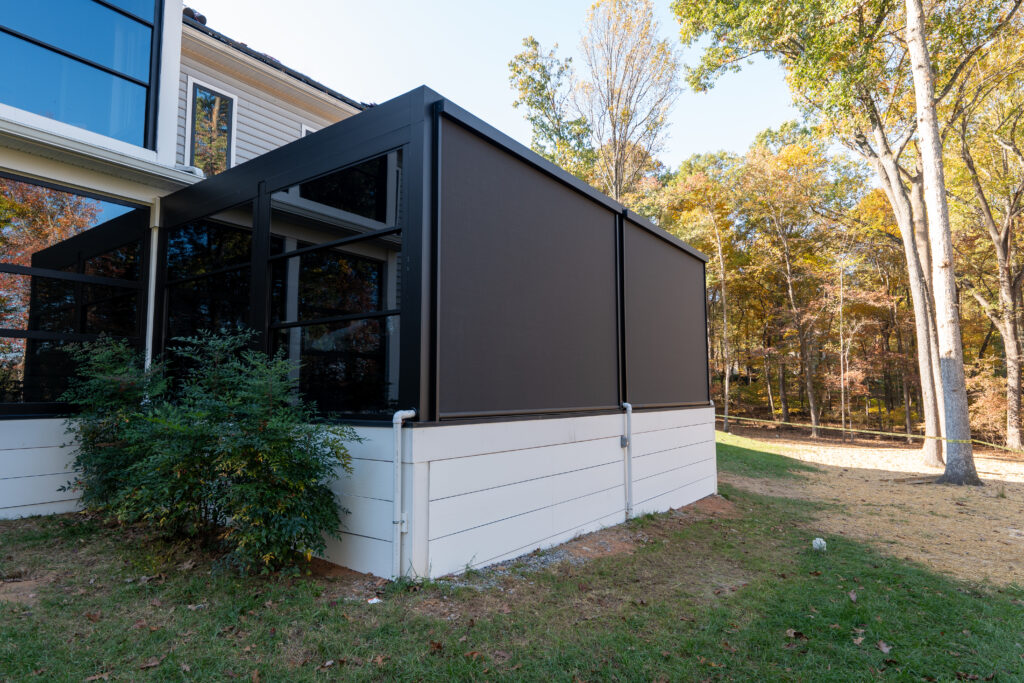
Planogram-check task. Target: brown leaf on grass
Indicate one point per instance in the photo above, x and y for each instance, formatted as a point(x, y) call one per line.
point(883, 646)
point(961, 676)
point(500, 656)
point(853, 596)
point(379, 660)
point(505, 609)
point(436, 646)
point(99, 677)
point(186, 668)
point(94, 616)
point(152, 662)
point(857, 630)
point(473, 654)
point(833, 626)
point(255, 676)
point(727, 647)
point(686, 618)
point(187, 565)
point(796, 635)
point(858, 640)
point(326, 665)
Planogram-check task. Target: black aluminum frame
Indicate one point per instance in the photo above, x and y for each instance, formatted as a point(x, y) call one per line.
point(155, 45)
point(413, 122)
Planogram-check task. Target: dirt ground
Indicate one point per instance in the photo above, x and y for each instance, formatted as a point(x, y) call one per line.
point(974, 533)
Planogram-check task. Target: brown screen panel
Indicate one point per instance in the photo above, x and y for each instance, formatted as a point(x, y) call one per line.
point(666, 346)
point(527, 287)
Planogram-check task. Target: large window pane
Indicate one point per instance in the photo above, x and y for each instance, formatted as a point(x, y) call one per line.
point(66, 90)
point(204, 246)
point(361, 190)
point(85, 29)
point(330, 283)
point(211, 130)
point(143, 9)
point(344, 365)
point(49, 230)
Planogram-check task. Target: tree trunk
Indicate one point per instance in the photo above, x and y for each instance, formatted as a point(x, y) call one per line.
point(957, 429)
point(1006, 320)
point(768, 382)
point(890, 176)
point(725, 324)
point(783, 399)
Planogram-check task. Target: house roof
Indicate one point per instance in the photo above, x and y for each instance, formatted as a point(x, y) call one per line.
point(270, 61)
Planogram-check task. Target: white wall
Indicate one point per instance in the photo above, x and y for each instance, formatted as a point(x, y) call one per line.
point(368, 494)
point(474, 494)
point(501, 489)
point(33, 466)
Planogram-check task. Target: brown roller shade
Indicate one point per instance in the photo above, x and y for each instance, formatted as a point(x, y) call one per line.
point(666, 347)
point(526, 298)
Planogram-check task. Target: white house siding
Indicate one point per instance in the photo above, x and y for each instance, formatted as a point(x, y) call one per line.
point(33, 466)
point(500, 489)
point(263, 123)
point(368, 495)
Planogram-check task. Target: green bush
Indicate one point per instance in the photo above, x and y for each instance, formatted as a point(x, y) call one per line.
point(230, 455)
point(112, 392)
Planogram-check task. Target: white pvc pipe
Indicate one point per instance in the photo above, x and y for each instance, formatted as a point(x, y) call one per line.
point(396, 541)
point(627, 441)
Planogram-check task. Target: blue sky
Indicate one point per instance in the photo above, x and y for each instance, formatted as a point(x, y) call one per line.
point(372, 51)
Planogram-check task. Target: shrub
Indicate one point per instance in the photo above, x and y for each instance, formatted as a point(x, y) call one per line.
point(111, 394)
point(232, 455)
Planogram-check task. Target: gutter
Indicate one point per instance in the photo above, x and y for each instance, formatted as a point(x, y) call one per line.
point(398, 521)
point(626, 442)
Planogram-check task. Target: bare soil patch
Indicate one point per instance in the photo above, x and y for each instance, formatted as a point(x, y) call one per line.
point(973, 533)
point(25, 587)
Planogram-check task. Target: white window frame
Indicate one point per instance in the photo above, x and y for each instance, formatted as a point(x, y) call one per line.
point(190, 89)
point(308, 130)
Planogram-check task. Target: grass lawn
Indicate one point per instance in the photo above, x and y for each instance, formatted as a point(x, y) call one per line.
point(739, 596)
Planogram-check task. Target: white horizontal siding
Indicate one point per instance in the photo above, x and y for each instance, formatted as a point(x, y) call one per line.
point(34, 465)
point(367, 494)
point(501, 489)
point(264, 122)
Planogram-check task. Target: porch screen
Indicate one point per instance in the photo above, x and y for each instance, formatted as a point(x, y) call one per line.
point(527, 287)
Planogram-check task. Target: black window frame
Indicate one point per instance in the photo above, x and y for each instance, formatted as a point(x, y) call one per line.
point(152, 86)
point(30, 409)
point(191, 122)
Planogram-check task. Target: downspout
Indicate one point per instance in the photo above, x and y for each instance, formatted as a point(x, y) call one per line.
point(398, 523)
point(627, 443)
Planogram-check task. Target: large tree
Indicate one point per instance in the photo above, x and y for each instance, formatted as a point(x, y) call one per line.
point(629, 86)
point(544, 85)
point(848, 65)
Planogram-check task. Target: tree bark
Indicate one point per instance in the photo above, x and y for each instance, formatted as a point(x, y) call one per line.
point(783, 399)
point(957, 429)
point(725, 323)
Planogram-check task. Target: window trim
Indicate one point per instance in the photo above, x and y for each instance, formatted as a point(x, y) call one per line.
point(190, 96)
point(307, 130)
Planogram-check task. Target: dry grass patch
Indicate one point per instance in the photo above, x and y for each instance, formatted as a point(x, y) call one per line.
point(972, 533)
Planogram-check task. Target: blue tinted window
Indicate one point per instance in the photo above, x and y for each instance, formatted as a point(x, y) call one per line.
point(85, 29)
point(69, 91)
point(143, 9)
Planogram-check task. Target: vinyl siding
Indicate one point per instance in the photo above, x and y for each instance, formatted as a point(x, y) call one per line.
point(263, 122)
